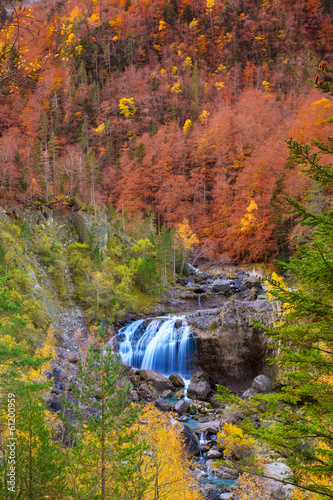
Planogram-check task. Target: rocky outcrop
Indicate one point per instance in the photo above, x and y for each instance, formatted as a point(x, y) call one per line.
point(199, 387)
point(159, 382)
point(90, 228)
point(229, 347)
point(262, 384)
point(191, 441)
point(176, 380)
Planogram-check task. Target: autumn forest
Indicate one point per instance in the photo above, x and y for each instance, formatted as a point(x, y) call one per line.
point(179, 107)
point(166, 249)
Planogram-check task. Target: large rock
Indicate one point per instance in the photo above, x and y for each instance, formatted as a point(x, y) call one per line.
point(214, 454)
point(158, 381)
point(147, 391)
point(198, 390)
point(222, 285)
point(229, 348)
point(89, 228)
point(262, 384)
point(163, 404)
point(211, 493)
point(191, 441)
point(181, 407)
point(176, 380)
point(223, 472)
point(199, 375)
point(211, 427)
point(277, 490)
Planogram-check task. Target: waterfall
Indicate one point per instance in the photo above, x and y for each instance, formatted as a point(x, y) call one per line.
point(163, 344)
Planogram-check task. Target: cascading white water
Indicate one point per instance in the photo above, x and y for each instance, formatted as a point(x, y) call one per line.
point(165, 345)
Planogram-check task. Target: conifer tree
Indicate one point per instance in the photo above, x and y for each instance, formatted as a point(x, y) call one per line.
point(106, 458)
point(302, 431)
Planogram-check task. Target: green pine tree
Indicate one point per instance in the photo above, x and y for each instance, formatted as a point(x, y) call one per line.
point(301, 415)
point(106, 458)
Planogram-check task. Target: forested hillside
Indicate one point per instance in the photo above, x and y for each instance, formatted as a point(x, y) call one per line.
point(180, 107)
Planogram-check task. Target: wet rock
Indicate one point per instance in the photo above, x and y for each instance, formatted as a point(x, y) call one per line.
point(156, 380)
point(207, 446)
point(211, 427)
point(221, 285)
point(262, 384)
point(181, 407)
point(166, 394)
point(214, 454)
point(191, 441)
point(176, 380)
point(198, 390)
point(192, 409)
point(163, 404)
point(226, 473)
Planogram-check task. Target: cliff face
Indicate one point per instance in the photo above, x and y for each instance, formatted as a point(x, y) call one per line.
point(229, 347)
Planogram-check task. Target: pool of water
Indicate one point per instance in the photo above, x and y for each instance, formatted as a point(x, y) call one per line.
point(218, 482)
point(192, 423)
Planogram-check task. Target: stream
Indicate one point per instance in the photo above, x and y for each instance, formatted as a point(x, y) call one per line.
point(166, 345)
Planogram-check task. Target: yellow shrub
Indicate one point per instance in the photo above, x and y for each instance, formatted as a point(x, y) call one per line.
point(236, 445)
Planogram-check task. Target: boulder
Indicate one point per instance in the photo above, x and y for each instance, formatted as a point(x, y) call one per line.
point(179, 394)
point(221, 285)
point(214, 454)
point(262, 384)
point(277, 490)
point(198, 390)
point(191, 441)
point(192, 410)
point(181, 407)
point(226, 496)
point(176, 380)
point(248, 393)
point(211, 493)
point(252, 283)
point(226, 473)
point(73, 357)
point(159, 382)
point(211, 427)
point(148, 390)
point(166, 394)
point(199, 375)
point(163, 404)
point(204, 276)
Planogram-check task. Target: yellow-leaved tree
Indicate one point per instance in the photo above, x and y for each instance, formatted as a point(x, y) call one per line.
point(165, 465)
point(127, 107)
point(248, 220)
point(186, 239)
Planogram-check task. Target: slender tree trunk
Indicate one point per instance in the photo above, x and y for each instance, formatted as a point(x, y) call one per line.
point(103, 429)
